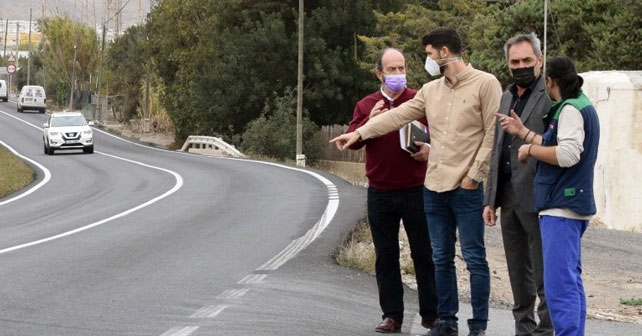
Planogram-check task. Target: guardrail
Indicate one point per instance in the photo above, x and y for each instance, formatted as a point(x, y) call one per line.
point(210, 146)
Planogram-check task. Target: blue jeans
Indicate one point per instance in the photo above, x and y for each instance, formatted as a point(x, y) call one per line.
point(562, 249)
point(447, 212)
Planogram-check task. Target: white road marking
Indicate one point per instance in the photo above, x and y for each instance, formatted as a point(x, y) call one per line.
point(177, 186)
point(209, 311)
point(232, 294)
point(299, 244)
point(34, 188)
point(252, 279)
point(286, 254)
point(180, 331)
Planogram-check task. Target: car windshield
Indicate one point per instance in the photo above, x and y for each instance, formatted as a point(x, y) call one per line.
point(67, 121)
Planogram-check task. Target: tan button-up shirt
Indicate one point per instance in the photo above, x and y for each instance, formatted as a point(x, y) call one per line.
point(461, 119)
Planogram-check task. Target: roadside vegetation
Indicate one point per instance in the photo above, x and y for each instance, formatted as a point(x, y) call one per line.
point(357, 250)
point(228, 68)
point(14, 173)
point(632, 302)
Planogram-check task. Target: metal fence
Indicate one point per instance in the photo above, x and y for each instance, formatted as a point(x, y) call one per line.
point(331, 152)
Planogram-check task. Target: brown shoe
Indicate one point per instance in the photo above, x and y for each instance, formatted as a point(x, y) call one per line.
point(388, 326)
point(429, 323)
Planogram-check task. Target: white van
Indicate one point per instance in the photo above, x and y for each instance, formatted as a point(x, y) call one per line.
point(32, 97)
point(4, 96)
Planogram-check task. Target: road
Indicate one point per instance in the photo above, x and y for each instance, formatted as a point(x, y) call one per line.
point(133, 240)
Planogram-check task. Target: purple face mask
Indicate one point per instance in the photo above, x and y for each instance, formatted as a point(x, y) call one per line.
point(395, 83)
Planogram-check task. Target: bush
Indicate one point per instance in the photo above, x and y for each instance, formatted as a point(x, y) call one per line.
point(274, 133)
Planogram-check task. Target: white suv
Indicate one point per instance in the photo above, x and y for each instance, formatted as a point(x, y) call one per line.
point(4, 96)
point(68, 130)
point(32, 97)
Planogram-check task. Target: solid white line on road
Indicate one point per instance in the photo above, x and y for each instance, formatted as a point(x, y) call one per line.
point(299, 244)
point(180, 331)
point(232, 294)
point(209, 311)
point(252, 279)
point(177, 186)
point(34, 188)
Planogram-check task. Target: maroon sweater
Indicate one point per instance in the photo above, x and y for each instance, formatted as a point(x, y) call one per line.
point(388, 167)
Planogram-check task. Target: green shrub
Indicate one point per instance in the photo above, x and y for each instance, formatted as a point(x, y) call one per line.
point(631, 302)
point(273, 134)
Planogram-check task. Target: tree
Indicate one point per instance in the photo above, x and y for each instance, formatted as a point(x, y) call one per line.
point(58, 56)
point(127, 60)
point(220, 61)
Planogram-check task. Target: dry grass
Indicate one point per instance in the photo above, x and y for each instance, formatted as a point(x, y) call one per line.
point(357, 250)
point(14, 173)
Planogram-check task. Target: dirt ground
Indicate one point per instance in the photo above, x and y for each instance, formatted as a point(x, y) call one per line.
point(612, 270)
point(135, 132)
point(612, 260)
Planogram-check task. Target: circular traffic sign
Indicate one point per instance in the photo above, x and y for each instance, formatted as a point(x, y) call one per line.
point(11, 68)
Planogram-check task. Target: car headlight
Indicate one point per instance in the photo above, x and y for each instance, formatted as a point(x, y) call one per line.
point(54, 133)
point(86, 132)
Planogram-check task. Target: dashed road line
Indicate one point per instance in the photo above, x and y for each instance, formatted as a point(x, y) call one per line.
point(232, 294)
point(209, 311)
point(180, 331)
point(252, 279)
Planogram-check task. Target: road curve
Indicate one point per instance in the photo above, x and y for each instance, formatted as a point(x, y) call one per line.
point(111, 270)
point(228, 252)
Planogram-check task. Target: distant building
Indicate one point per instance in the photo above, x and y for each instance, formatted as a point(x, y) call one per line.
point(17, 33)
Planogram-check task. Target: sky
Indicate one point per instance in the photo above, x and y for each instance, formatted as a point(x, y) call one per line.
point(19, 9)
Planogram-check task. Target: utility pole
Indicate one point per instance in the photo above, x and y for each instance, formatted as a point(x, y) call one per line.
point(545, 33)
point(300, 157)
point(100, 72)
point(29, 51)
point(73, 74)
point(43, 41)
point(6, 30)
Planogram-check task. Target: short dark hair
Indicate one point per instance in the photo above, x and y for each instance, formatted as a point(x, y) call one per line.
point(562, 71)
point(443, 36)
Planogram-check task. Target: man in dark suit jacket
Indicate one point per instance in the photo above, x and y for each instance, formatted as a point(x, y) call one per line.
point(510, 185)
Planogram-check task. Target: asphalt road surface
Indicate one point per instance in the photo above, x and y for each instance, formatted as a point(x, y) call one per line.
point(133, 240)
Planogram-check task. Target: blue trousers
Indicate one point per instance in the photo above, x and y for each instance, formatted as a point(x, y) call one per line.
point(562, 250)
point(446, 213)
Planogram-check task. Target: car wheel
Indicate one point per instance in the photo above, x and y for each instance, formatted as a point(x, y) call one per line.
point(45, 148)
point(88, 149)
point(50, 151)
point(42, 110)
point(18, 108)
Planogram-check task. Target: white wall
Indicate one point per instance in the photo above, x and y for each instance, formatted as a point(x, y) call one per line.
point(617, 96)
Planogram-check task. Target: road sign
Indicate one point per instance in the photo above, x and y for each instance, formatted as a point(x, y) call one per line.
point(11, 68)
point(11, 58)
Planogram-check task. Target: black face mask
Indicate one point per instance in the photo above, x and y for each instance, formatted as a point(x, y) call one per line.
point(523, 77)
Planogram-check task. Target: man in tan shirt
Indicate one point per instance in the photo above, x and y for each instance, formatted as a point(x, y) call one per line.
point(460, 108)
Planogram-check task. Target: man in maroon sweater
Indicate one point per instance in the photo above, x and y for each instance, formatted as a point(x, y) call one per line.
point(395, 193)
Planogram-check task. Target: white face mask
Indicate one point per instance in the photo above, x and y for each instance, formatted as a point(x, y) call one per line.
point(434, 68)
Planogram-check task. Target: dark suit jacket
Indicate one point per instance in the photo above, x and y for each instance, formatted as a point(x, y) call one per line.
point(522, 175)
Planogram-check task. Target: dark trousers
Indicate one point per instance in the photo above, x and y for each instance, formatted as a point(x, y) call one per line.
point(385, 210)
point(523, 248)
point(446, 213)
point(562, 247)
